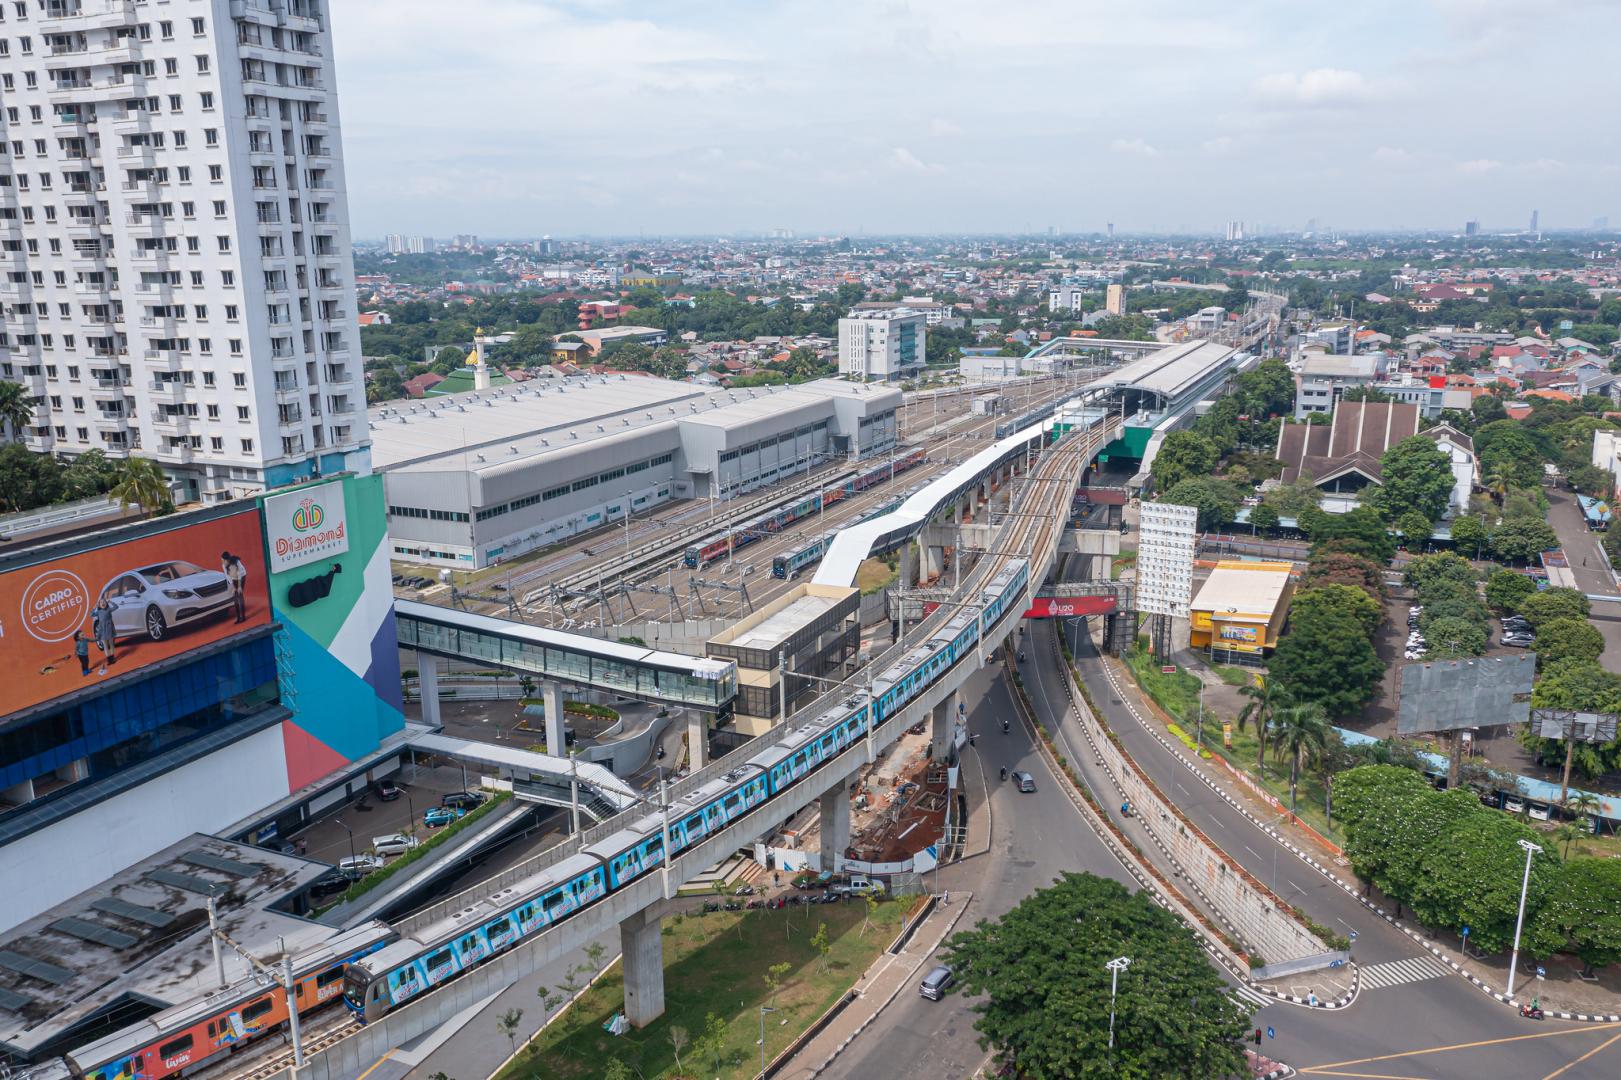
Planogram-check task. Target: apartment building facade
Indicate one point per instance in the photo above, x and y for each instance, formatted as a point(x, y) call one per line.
point(175, 263)
point(886, 345)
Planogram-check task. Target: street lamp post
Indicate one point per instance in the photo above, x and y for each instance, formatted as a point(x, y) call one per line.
point(1519, 920)
point(1115, 966)
point(763, 1010)
point(351, 833)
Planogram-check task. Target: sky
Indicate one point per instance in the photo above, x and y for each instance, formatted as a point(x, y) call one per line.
point(689, 117)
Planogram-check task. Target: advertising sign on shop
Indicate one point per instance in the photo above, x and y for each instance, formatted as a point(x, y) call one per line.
point(304, 525)
point(70, 622)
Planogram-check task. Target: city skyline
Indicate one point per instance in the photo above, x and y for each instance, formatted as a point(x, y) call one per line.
point(619, 119)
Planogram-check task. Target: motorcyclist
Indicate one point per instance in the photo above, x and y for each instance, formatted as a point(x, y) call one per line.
point(1004, 727)
point(1004, 772)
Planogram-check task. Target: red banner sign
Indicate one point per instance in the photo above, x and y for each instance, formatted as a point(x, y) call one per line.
point(1066, 607)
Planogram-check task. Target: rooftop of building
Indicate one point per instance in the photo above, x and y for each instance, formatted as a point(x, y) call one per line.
point(1331, 365)
point(1243, 590)
point(1171, 372)
point(143, 932)
point(486, 429)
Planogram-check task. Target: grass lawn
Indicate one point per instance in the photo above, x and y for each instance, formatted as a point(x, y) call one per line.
point(875, 574)
point(714, 965)
point(1126, 559)
point(1233, 676)
point(1176, 693)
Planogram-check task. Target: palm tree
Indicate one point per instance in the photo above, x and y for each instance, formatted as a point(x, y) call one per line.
point(141, 482)
point(16, 408)
point(1265, 699)
point(1496, 484)
point(1583, 804)
point(1296, 731)
point(1566, 833)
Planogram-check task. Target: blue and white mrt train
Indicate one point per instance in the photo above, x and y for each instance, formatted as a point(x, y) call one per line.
point(416, 964)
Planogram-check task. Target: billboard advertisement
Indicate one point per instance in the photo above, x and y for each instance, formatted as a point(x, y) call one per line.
point(71, 622)
point(1053, 607)
point(305, 525)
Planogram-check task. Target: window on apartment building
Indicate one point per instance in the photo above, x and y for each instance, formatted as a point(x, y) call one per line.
point(241, 412)
point(197, 279)
point(224, 244)
point(197, 27)
point(175, 103)
point(215, 443)
point(166, 30)
point(208, 380)
point(207, 100)
point(183, 173)
point(238, 378)
point(232, 313)
point(35, 113)
point(247, 446)
point(219, 207)
point(194, 244)
point(188, 210)
point(213, 412)
point(171, 66)
point(211, 136)
point(205, 346)
point(216, 173)
point(228, 278)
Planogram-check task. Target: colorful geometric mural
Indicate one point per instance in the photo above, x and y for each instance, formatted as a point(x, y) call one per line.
point(337, 648)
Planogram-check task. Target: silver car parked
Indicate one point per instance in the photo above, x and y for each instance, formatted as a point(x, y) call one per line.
point(153, 600)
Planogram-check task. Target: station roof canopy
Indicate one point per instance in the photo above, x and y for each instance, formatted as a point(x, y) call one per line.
point(1174, 373)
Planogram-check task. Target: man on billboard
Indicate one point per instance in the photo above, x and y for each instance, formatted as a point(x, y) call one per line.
point(236, 574)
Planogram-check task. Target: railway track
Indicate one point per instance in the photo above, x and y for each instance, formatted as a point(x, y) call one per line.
point(267, 1058)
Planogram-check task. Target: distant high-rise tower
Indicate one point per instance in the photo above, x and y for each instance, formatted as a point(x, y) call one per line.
point(1471, 228)
point(1533, 221)
point(1111, 230)
point(1601, 222)
point(1235, 230)
point(1114, 299)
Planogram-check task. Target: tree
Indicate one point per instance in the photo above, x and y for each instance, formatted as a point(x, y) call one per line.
point(1582, 908)
point(1300, 730)
point(1264, 517)
point(713, 1042)
point(1265, 698)
point(1505, 589)
point(141, 481)
point(1584, 686)
point(28, 479)
point(91, 473)
point(822, 945)
point(1452, 638)
point(1567, 639)
point(1523, 539)
point(16, 408)
point(1183, 455)
point(1040, 969)
point(1217, 500)
point(1415, 476)
point(1365, 791)
point(1503, 447)
point(1340, 568)
point(1325, 657)
point(384, 384)
point(1591, 481)
point(1470, 876)
point(448, 359)
point(1347, 599)
point(773, 979)
point(1292, 500)
point(508, 1023)
point(1555, 603)
point(1361, 532)
point(1425, 572)
point(678, 1042)
point(616, 1070)
point(1414, 527)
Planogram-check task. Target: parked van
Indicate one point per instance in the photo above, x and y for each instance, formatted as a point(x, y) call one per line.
point(936, 983)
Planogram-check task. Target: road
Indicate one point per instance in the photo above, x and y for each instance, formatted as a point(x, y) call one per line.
point(1036, 837)
point(1587, 566)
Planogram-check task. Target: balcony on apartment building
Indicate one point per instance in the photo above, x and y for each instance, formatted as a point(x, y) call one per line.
point(137, 156)
point(168, 389)
point(83, 16)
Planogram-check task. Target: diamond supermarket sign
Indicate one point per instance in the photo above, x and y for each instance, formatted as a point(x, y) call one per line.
point(305, 525)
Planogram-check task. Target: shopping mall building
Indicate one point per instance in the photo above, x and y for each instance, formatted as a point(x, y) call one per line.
point(230, 671)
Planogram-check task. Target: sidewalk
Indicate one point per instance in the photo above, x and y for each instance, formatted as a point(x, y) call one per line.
point(885, 978)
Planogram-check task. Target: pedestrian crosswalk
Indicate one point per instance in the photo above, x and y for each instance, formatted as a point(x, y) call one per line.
point(1252, 997)
point(1396, 972)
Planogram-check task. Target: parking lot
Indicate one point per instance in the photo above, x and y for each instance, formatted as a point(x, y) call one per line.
point(329, 839)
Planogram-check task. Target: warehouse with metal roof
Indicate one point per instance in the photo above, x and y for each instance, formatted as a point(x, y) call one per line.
point(485, 476)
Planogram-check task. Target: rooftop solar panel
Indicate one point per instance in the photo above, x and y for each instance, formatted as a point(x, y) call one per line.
point(210, 861)
point(94, 932)
point(189, 882)
point(13, 1001)
point(112, 905)
point(36, 969)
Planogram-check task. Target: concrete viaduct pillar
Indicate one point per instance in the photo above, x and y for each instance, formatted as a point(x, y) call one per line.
point(835, 826)
point(697, 739)
point(909, 566)
point(643, 948)
point(943, 723)
point(551, 696)
point(428, 683)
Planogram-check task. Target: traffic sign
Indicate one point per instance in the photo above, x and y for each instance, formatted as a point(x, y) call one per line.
point(1352, 935)
point(1464, 932)
point(1541, 971)
point(1270, 1033)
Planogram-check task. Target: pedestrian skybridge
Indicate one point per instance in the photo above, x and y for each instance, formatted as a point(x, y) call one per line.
point(553, 655)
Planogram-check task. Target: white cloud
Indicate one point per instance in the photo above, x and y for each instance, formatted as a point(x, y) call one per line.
point(1137, 147)
point(1479, 166)
point(1392, 155)
point(1220, 146)
point(904, 159)
point(1320, 88)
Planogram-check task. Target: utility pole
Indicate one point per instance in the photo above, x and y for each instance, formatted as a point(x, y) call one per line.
point(214, 940)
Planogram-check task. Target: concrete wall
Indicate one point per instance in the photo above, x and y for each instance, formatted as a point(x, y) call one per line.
point(629, 754)
point(1260, 920)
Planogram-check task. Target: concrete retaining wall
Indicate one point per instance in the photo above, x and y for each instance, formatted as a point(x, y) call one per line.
point(1261, 920)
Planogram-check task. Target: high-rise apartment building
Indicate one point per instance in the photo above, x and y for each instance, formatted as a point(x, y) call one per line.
point(175, 264)
point(1114, 301)
point(885, 345)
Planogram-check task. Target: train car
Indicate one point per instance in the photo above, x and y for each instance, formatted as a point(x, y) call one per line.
point(178, 1040)
point(813, 743)
point(786, 566)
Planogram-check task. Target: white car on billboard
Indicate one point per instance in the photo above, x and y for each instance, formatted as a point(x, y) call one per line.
point(154, 600)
